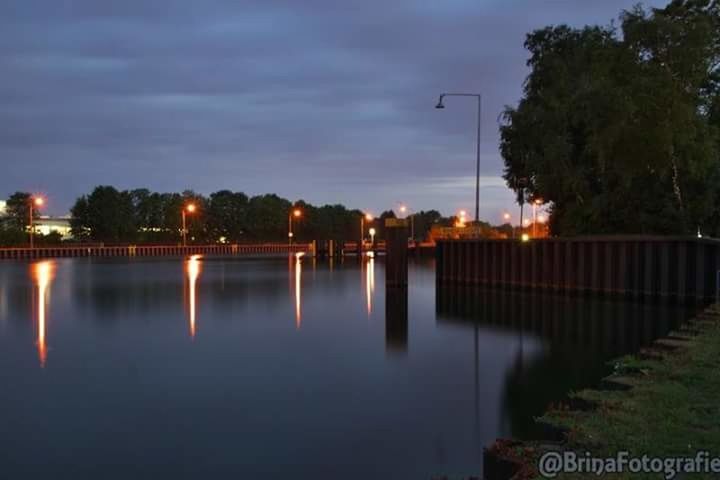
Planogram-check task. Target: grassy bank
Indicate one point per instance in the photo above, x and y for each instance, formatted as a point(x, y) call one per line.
point(670, 407)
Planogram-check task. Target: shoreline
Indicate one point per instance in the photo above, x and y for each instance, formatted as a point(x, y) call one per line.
point(661, 402)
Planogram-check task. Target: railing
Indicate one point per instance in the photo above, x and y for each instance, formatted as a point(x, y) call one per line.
point(153, 250)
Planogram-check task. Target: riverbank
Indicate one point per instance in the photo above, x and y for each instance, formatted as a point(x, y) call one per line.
point(662, 402)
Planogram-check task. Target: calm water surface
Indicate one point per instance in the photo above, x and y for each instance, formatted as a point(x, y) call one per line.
point(226, 368)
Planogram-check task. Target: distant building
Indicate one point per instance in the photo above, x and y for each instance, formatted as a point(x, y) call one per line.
point(47, 225)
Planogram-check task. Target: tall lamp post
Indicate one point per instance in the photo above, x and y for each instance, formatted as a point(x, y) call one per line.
point(440, 105)
point(189, 208)
point(293, 213)
point(403, 210)
point(536, 203)
point(363, 218)
point(35, 202)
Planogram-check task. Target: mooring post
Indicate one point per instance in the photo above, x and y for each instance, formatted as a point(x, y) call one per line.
point(396, 255)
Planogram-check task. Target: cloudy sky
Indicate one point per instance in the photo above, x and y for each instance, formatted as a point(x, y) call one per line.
point(330, 101)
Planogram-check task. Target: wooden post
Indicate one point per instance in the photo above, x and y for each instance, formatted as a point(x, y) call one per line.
point(396, 263)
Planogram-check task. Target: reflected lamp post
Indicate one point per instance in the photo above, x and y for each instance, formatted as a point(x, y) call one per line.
point(440, 105)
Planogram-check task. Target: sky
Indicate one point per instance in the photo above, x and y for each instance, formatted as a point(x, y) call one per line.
point(329, 101)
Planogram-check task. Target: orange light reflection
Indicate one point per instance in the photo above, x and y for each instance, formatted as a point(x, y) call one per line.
point(42, 273)
point(193, 267)
point(298, 290)
point(370, 281)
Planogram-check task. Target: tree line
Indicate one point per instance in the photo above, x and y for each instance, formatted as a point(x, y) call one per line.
point(619, 126)
point(110, 215)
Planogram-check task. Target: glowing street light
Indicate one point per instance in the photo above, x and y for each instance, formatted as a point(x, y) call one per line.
point(536, 203)
point(372, 235)
point(189, 208)
point(36, 201)
point(404, 209)
point(506, 217)
point(367, 217)
point(296, 213)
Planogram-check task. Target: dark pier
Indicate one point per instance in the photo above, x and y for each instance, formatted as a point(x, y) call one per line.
point(684, 269)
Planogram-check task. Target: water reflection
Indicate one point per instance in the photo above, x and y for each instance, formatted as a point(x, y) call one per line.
point(562, 342)
point(298, 290)
point(370, 281)
point(396, 320)
point(193, 267)
point(42, 274)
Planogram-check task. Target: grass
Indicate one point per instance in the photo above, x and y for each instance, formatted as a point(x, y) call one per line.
point(673, 409)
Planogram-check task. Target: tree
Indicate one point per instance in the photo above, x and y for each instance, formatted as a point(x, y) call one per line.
point(18, 211)
point(616, 131)
point(268, 218)
point(227, 215)
point(106, 215)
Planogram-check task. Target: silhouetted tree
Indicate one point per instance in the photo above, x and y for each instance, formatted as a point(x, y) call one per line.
point(617, 131)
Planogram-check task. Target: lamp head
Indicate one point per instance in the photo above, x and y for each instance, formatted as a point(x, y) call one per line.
point(38, 201)
point(297, 212)
point(190, 207)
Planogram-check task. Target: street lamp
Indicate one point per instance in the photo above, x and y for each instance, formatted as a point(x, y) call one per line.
point(372, 235)
point(363, 218)
point(461, 218)
point(297, 213)
point(189, 208)
point(536, 203)
point(440, 105)
point(35, 202)
point(403, 210)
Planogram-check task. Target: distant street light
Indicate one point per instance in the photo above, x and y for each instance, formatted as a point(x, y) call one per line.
point(440, 105)
point(297, 213)
point(189, 208)
point(404, 209)
point(35, 202)
point(536, 203)
point(372, 235)
point(461, 218)
point(363, 218)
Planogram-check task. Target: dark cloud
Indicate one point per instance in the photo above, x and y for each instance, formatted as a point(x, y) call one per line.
point(323, 100)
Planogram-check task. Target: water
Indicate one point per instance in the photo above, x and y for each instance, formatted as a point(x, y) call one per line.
point(225, 368)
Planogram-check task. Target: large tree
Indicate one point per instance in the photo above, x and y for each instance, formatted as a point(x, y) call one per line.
point(227, 215)
point(106, 215)
point(618, 131)
point(18, 211)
